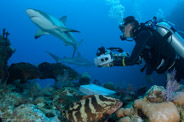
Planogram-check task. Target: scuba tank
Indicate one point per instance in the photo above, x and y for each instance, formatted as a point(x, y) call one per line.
point(173, 38)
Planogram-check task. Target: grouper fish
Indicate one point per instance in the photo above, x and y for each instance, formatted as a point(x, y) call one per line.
point(92, 108)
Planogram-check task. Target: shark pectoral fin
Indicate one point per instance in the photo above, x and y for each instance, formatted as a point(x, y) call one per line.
point(40, 33)
point(63, 19)
point(64, 29)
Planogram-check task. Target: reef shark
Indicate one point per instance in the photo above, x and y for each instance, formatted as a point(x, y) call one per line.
point(51, 25)
point(78, 60)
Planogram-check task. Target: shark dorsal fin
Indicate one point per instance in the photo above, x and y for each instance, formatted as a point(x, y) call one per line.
point(40, 33)
point(63, 19)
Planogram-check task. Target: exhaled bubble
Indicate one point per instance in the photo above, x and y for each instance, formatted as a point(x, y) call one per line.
point(160, 14)
point(117, 12)
point(112, 2)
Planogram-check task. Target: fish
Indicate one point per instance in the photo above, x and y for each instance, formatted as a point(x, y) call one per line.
point(91, 108)
point(78, 60)
point(50, 25)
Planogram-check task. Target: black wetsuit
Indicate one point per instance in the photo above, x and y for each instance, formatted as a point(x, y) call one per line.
point(158, 54)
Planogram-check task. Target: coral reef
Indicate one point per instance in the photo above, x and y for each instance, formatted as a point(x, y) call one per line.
point(127, 95)
point(109, 85)
point(178, 99)
point(123, 112)
point(57, 71)
point(157, 105)
point(171, 87)
point(153, 107)
point(34, 104)
point(6, 51)
point(84, 79)
point(154, 94)
point(29, 112)
point(125, 119)
point(23, 72)
point(158, 112)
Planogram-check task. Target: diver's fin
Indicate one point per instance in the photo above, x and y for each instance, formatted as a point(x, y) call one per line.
point(63, 19)
point(40, 33)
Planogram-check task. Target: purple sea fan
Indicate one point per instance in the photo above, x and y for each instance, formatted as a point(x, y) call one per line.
point(171, 87)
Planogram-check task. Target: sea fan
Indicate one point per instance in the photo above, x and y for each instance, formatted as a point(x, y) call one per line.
point(171, 87)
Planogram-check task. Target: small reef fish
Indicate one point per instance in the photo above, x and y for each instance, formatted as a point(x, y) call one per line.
point(92, 108)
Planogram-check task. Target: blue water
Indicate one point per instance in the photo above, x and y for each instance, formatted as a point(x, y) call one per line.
point(97, 28)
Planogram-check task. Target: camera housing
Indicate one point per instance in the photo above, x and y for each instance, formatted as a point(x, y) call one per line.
point(103, 59)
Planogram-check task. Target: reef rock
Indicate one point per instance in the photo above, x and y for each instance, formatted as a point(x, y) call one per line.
point(179, 99)
point(123, 112)
point(6, 51)
point(154, 94)
point(125, 119)
point(85, 79)
point(29, 112)
point(109, 85)
point(157, 112)
point(23, 72)
point(57, 71)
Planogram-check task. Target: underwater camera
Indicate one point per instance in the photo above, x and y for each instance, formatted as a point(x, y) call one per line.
point(105, 56)
point(104, 59)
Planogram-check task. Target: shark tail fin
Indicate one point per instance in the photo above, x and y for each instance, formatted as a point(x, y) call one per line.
point(56, 58)
point(76, 47)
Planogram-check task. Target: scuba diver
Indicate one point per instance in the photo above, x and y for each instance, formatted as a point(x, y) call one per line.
point(159, 45)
